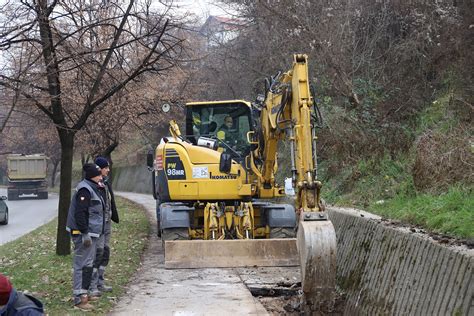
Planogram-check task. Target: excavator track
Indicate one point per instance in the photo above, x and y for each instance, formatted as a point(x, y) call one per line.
point(316, 242)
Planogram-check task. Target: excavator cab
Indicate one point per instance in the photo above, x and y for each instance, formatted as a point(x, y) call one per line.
point(222, 125)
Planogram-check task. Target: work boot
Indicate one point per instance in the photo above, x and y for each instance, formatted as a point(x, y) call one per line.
point(94, 296)
point(105, 288)
point(84, 304)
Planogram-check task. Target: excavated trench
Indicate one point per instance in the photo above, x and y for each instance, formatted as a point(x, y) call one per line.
point(285, 299)
point(278, 289)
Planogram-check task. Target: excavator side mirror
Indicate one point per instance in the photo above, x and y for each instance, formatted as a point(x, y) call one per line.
point(150, 158)
point(225, 163)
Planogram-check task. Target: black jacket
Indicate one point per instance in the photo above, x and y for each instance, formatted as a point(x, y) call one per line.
point(113, 207)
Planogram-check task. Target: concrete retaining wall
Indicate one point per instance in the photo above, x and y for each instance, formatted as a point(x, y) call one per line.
point(387, 271)
point(132, 179)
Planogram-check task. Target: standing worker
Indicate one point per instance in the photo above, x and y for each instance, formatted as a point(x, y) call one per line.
point(103, 245)
point(85, 222)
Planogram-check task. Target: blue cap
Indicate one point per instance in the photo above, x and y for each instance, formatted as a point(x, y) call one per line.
point(101, 162)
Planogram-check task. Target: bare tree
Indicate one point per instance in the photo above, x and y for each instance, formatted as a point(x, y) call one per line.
point(137, 110)
point(82, 54)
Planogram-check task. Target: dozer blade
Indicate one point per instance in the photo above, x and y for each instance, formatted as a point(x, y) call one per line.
point(182, 254)
point(317, 249)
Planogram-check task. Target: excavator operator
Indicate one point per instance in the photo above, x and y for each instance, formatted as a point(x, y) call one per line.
point(225, 134)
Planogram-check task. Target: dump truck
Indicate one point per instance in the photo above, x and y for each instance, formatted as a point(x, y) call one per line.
point(217, 193)
point(27, 176)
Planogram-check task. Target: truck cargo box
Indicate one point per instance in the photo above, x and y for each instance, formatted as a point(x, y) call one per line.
point(27, 167)
point(27, 176)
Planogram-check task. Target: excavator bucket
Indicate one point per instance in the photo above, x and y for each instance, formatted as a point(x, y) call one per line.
point(182, 254)
point(317, 249)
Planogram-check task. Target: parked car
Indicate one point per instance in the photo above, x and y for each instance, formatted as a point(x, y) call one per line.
point(3, 211)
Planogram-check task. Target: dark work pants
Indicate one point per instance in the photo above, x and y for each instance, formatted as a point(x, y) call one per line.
point(82, 262)
point(101, 258)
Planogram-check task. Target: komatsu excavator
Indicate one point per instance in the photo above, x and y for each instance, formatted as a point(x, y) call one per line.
point(215, 186)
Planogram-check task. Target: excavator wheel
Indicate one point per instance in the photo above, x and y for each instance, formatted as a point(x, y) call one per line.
point(175, 234)
point(316, 242)
point(158, 228)
point(181, 233)
point(158, 219)
point(282, 232)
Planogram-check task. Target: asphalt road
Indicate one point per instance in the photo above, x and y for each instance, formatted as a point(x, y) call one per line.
point(27, 214)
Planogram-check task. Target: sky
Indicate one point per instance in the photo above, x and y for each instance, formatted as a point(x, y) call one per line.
point(201, 8)
point(205, 6)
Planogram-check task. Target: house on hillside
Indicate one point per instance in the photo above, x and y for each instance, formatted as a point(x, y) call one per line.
point(219, 29)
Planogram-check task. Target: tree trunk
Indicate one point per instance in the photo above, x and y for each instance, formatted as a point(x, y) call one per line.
point(55, 170)
point(67, 148)
point(107, 153)
point(84, 159)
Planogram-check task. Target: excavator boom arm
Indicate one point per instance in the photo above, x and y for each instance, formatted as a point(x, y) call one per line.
point(287, 113)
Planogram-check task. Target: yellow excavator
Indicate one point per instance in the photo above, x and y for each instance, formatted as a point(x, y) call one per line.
point(216, 190)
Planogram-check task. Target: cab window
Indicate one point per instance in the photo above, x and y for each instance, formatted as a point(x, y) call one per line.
point(228, 123)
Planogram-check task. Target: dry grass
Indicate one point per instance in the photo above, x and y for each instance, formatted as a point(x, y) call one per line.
point(443, 159)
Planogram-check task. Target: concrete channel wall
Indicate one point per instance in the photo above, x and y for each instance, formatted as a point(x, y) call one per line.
point(387, 271)
point(132, 179)
point(383, 270)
